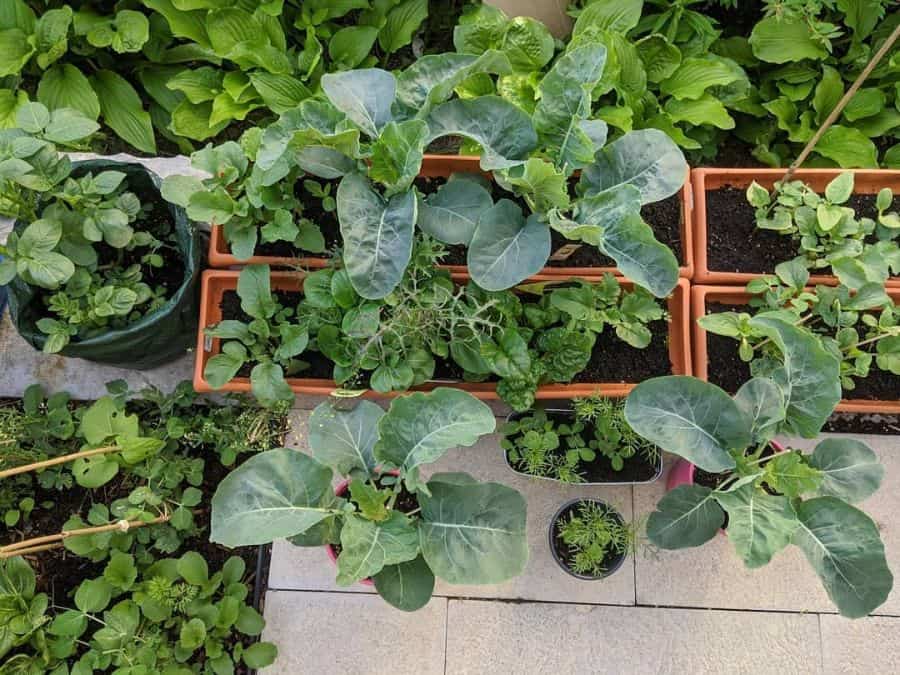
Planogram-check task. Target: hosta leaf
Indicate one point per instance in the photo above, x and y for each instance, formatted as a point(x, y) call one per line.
point(274, 494)
point(850, 469)
point(122, 110)
point(686, 516)
point(783, 40)
point(401, 22)
point(367, 546)
point(659, 56)
point(759, 524)
point(506, 247)
point(811, 382)
point(697, 74)
point(472, 533)
point(502, 129)
point(451, 213)
point(614, 15)
point(420, 428)
point(64, 86)
point(844, 548)
point(647, 159)
point(365, 96)
point(15, 51)
point(407, 585)
point(705, 110)
point(350, 46)
point(279, 92)
point(849, 147)
point(345, 440)
point(377, 234)
point(695, 420)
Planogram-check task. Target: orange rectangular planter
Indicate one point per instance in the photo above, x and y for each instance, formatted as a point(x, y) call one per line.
point(736, 295)
point(441, 166)
point(866, 181)
point(216, 282)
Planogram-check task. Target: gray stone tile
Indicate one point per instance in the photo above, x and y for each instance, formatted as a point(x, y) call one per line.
point(353, 634)
point(863, 646)
point(21, 365)
point(309, 569)
point(526, 638)
point(713, 576)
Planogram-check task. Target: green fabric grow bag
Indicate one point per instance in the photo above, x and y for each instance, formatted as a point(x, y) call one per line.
point(151, 341)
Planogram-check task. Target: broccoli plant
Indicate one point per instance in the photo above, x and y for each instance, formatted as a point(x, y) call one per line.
point(772, 500)
point(403, 530)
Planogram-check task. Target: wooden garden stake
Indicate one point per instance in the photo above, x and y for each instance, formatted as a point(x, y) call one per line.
point(37, 466)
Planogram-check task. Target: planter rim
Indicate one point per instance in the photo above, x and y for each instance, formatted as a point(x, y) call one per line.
point(692, 468)
point(221, 257)
point(679, 346)
point(742, 178)
point(617, 562)
point(652, 479)
point(734, 294)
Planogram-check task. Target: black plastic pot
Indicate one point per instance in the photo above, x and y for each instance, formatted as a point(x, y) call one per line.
point(158, 338)
point(570, 415)
point(614, 562)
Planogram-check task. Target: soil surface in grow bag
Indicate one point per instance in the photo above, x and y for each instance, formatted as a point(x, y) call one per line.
point(735, 244)
point(312, 210)
point(612, 360)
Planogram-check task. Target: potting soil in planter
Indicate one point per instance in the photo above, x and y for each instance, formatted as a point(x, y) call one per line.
point(735, 244)
point(312, 210)
point(611, 561)
point(726, 369)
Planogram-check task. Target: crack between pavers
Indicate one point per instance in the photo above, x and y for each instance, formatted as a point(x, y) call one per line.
point(446, 630)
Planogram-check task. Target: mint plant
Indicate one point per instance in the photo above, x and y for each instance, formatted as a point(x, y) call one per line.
point(771, 499)
point(450, 525)
point(252, 206)
point(861, 329)
point(858, 250)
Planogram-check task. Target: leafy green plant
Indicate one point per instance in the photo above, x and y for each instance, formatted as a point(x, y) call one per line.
point(638, 168)
point(539, 446)
point(253, 206)
point(858, 329)
point(401, 531)
point(593, 533)
point(771, 499)
point(859, 250)
point(388, 121)
point(171, 614)
point(613, 436)
point(85, 237)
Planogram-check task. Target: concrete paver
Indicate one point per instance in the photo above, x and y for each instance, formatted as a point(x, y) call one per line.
point(347, 634)
point(527, 638)
point(862, 646)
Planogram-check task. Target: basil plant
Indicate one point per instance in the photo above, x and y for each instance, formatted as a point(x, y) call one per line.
point(372, 132)
point(771, 499)
point(615, 181)
point(392, 526)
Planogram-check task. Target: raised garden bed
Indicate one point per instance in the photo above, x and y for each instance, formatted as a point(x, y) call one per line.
point(730, 249)
point(672, 345)
point(879, 393)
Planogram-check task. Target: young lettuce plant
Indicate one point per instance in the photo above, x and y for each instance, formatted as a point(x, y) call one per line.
point(859, 328)
point(771, 499)
point(858, 250)
point(451, 526)
point(376, 203)
point(252, 206)
point(640, 167)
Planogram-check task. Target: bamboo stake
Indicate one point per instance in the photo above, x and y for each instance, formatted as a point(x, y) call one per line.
point(57, 460)
point(47, 542)
point(839, 108)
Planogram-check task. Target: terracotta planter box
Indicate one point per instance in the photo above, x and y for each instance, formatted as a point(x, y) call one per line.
point(217, 282)
point(735, 295)
point(441, 166)
point(866, 181)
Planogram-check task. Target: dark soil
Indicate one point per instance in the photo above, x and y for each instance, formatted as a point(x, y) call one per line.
point(566, 555)
point(738, 20)
point(637, 469)
point(863, 423)
point(735, 244)
point(730, 372)
point(710, 480)
point(312, 209)
point(613, 360)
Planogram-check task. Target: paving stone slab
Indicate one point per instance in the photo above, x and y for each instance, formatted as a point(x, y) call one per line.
point(529, 638)
point(21, 365)
point(343, 633)
point(864, 646)
point(309, 568)
point(713, 576)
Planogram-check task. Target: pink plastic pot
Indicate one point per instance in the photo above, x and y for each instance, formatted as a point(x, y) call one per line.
point(340, 490)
